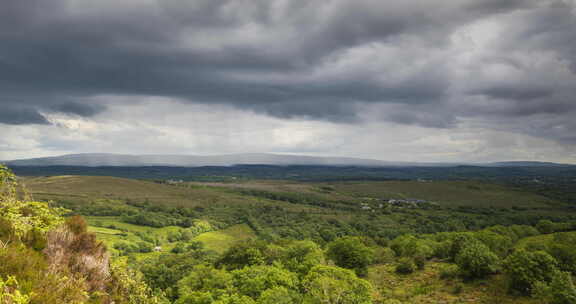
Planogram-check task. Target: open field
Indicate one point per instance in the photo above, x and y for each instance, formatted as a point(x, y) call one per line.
point(221, 240)
point(86, 189)
point(112, 231)
point(447, 193)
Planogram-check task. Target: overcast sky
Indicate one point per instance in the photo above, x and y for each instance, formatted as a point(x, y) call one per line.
point(411, 80)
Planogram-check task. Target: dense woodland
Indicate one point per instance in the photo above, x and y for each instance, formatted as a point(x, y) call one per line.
point(302, 247)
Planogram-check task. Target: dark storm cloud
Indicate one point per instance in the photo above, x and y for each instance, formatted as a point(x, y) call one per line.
point(283, 58)
point(21, 116)
point(80, 109)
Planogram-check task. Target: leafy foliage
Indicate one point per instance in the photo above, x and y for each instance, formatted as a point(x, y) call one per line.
point(48, 261)
point(351, 253)
point(10, 293)
point(327, 284)
point(560, 290)
point(475, 260)
point(525, 269)
point(23, 216)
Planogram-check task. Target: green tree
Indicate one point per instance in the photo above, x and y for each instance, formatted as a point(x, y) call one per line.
point(498, 243)
point(254, 280)
point(475, 260)
point(279, 295)
point(545, 226)
point(301, 256)
point(334, 285)
point(164, 271)
point(20, 216)
point(351, 253)
point(563, 248)
point(405, 265)
point(235, 299)
point(560, 290)
point(525, 269)
point(243, 254)
point(204, 281)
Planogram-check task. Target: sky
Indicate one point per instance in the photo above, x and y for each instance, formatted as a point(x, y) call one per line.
point(411, 80)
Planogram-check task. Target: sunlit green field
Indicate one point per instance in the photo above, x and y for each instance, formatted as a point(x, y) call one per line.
point(218, 241)
point(221, 240)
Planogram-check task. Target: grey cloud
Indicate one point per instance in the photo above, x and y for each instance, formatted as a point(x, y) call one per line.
point(76, 108)
point(517, 93)
point(21, 116)
point(56, 56)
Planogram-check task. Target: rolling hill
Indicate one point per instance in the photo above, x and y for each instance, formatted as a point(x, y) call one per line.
point(108, 159)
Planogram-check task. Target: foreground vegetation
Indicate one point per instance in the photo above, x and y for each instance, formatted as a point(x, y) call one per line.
point(47, 259)
point(293, 242)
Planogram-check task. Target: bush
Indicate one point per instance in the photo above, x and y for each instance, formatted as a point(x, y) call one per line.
point(545, 226)
point(498, 243)
point(10, 292)
point(525, 269)
point(405, 266)
point(279, 295)
point(301, 256)
point(560, 291)
point(449, 272)
point(351, 253)
point(384, 255)
point(243, 254)
point(409, 246)
point(563, 248)
point(420, 262)
point(253, 281)
point(77, 224)
point(475, 260)
point(327, 284)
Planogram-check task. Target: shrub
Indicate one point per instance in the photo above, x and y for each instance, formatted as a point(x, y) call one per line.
point(127, 286)
point(449, 272)
point(545, 226)
point(563, 248)
point(202, 282)
point(328, 284)
point(420, 262)
point(498, 243)
point(243, 254)
point(405, 266)
point(475, 260)
point(560, 290)
point(23, 215)
point(384, 255)
point(301, 256)
point(409, 246)
point(525, 268)
point(10, 293)
point(351, 253)
point(279, 295)
point(253, 281)
point(77, 224)
point(164, 271)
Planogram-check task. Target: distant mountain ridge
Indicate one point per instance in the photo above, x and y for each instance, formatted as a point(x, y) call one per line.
point(125, 160)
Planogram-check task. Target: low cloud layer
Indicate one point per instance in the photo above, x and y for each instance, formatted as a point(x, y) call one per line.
point(448, 67)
